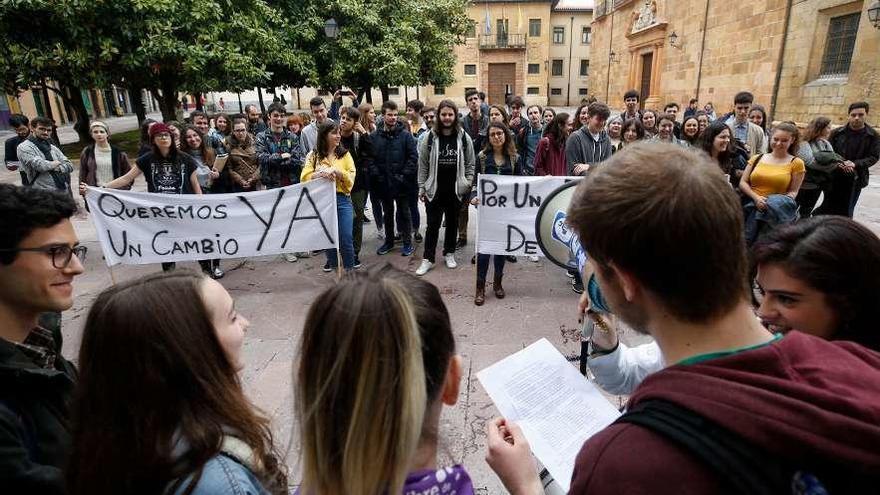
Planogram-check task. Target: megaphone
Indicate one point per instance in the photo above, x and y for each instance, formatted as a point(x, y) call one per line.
point(561, 245)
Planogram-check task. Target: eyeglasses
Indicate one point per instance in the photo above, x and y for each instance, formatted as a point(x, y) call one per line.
point(60, 253)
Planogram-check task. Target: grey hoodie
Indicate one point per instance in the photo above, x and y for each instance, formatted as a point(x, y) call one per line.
point(582, 148)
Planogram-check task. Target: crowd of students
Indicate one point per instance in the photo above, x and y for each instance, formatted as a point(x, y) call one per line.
point(790, 401)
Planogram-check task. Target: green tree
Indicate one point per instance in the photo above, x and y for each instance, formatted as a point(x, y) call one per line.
point(389, 43)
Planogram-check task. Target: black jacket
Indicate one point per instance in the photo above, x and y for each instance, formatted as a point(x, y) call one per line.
point(362, 154)
point(395, 161)
point(868, 150)
point(34, 429)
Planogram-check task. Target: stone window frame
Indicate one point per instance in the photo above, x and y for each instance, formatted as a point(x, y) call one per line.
point(840, 46)
point(558, 30)
point(472, 67)
point(533, 90)
point(537, 68)
point(585, 64)
point(555, 91)
point(583, 91)
point(820, 25)
point(439, 90)
point(586, 35)
point(394, 91)
point(553, 66)
point(534, 28)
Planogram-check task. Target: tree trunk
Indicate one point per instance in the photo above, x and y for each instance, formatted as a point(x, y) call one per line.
point(136, 97)
point(367, 95)
point(197, 96)
point(167, 98)
point(83, 119)
point(262, 105)
point(384, 89)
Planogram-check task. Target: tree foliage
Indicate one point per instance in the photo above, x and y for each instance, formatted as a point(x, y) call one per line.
point(169, 46)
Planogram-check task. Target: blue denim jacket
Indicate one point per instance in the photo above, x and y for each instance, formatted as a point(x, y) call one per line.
point(223, 475)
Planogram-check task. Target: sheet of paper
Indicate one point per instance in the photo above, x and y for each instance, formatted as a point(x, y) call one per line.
point(557, 408)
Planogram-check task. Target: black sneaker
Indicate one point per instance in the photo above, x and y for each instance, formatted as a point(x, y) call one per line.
point(418, 236)
point(511, 259)
point(328, 268)
point(384, 249)
point(577, 286)
point(357, 263)
point(367, 220)
point(217, 273)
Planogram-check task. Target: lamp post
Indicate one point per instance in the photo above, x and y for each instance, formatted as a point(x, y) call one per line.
point(331, 28)
point(874, 13)
point(673, 40)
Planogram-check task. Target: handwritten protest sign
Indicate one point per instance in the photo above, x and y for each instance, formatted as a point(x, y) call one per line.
point(507, 211)
point(140, 228)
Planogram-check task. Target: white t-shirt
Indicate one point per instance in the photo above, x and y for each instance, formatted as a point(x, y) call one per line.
point(103, 165)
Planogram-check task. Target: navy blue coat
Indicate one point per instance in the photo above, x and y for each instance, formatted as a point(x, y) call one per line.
point(395, 162)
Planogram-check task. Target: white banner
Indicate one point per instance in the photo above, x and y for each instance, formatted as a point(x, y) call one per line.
point(139, 228)
point(507, 211)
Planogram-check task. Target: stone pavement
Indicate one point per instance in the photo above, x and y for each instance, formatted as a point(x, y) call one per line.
point(275, 295)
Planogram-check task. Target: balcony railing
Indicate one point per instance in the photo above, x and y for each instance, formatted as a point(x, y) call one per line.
point(502, 41)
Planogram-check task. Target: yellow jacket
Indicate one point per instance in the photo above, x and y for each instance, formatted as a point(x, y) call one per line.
point(344, 164)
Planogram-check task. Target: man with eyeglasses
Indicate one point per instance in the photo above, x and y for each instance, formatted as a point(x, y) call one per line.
point(44, 164)
point(39, 257)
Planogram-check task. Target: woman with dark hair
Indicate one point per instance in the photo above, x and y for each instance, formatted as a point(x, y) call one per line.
point(329, 160)
point(498, 157)
point(145, 145)
point(758, 116)
point(825, 162)
point(244, 169)
point(771, 181)
point(821, 276)
point(197, 147)
point(631, 132)
point(666, 131)
point(550, 154)
point(222, 126)
point(717, 142)
point(703, 120)
point(168, 415)
point(100, 162)
point(581, 116)
point(547, 116)
point(690, 131)
point(166, 169)
point(649, 122)
point(376, 366)
point(498, 114)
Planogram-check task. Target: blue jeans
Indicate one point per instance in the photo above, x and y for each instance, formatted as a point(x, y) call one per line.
point(857, 191)
point(345, 220)
point(483, 266)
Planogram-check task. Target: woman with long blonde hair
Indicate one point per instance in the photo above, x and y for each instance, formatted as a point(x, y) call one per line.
point(377, 364)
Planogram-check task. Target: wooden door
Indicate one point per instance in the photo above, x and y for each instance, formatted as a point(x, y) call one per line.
point(645, 89)
point(502, 81)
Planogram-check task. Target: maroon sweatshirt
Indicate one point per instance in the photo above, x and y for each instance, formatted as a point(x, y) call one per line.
point(803, 399)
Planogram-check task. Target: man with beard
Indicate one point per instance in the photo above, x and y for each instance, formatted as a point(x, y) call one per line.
point(45, 165)
point(738, 409)
point(255, 119)
point(446, 171)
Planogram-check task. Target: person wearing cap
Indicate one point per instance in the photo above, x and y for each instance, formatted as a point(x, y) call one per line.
point(101, 162)
point(166, 169)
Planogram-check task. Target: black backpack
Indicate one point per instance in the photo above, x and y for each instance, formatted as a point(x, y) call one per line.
point(743, 466)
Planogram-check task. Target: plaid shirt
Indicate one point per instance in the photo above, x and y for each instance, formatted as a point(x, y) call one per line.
point(39, 346)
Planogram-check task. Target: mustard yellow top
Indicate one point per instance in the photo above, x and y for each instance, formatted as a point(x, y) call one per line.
point(344, 164)
point(772, 178)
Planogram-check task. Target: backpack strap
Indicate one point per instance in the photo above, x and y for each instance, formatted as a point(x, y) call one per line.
point(742, 465)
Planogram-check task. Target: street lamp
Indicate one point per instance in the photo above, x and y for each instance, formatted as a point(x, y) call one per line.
point(874, 14)
point(673, 40)
point(612, 57)
point(331, 28)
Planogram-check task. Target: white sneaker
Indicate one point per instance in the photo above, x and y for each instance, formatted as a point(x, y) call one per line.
point(290, 257)
point(424, 267)
point(380, 233)
point(450, 261)
point(533, 258)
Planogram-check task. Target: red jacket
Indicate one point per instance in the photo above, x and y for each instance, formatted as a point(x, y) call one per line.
point(550, 160)
point(802, 399)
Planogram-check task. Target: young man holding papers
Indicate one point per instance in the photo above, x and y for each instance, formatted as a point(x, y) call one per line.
point(803, 408)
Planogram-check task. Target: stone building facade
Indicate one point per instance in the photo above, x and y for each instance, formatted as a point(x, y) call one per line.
point(801, 58)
